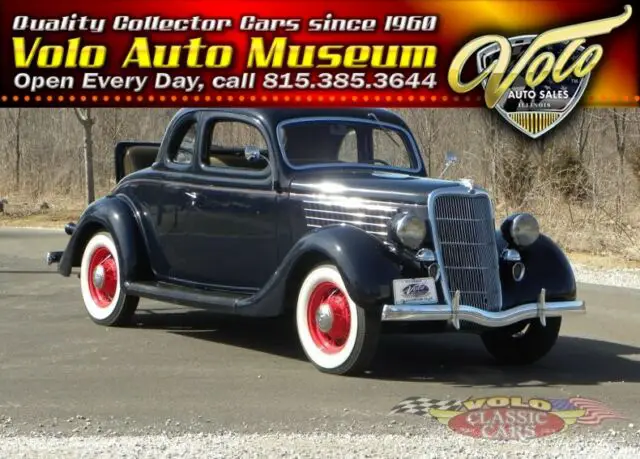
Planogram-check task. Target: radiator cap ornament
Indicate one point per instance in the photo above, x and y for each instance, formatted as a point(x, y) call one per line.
point(468, 183)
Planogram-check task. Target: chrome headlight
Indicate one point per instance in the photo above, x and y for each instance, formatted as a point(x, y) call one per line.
point(524, 230)
point(409, 230)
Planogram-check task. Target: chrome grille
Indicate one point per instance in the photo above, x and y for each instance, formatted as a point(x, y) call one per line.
point(464, 232)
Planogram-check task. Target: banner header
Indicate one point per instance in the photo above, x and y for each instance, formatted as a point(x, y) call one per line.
point(549, 55)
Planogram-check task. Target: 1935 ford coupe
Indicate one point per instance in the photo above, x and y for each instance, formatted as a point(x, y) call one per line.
point(325, 214)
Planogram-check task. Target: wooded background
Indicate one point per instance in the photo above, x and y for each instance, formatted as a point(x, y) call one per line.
point(582, 179)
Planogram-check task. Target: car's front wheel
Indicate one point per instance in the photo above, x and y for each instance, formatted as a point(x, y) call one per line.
point(337, 335)
point(101, 283)
point(522, 343)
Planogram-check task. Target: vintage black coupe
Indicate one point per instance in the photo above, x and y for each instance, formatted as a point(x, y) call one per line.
point(325, 214)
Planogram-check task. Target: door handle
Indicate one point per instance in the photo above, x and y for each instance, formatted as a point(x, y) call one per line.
point(193, 196)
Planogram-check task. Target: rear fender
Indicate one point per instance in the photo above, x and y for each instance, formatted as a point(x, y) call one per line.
point(115, 215)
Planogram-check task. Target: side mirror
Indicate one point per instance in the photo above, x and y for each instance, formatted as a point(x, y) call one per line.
point(449, 160)
point(252, 154)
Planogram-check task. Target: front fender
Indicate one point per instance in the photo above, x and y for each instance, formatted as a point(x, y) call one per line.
point(367, 268)
point(546, 267)
point(112, 214)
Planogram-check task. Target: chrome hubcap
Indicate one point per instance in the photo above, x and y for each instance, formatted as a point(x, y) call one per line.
point(324, 318)
point(98, 276)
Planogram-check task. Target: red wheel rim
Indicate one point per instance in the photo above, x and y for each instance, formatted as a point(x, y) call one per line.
point(102, 277)
point(328, 297)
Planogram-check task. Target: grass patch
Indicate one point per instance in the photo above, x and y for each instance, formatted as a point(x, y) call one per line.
point(20, 211)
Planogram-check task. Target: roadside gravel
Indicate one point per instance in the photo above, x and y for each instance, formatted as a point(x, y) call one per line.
point(629, 278)
point(429, 445)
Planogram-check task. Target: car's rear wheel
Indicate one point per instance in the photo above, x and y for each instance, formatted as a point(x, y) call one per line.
point(338, 336)
point(101, 283)
point(522, 343)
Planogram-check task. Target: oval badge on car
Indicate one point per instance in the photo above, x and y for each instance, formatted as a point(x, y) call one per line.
point(416, 289)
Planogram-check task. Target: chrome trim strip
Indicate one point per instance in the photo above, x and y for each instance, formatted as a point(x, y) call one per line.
point(350, 204)
point(350, 214)
point(436, 239)
point(334, 199)
point(378, 233)
point(422, 312)
point(352, 222)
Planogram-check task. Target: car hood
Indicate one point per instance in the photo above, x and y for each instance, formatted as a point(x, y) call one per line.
point(375, 185)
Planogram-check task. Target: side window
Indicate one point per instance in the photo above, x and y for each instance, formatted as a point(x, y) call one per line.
point(183, 145)
point(227, 140)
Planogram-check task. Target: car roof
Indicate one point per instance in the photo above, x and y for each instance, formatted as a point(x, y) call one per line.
point(273, 116)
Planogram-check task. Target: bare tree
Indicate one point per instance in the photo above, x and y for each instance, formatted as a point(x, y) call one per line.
point(432, 122)
point(84, 116)
point(582, 131)
point(620, 129)
point(426, 126)
point(491, 150)
point(15, 117)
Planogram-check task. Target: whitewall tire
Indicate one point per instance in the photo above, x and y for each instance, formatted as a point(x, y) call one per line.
point(101, 283)
point(337, 335)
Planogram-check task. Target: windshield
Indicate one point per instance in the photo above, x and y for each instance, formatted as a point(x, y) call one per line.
point(346, 142)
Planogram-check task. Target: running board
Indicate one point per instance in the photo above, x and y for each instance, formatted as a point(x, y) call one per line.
point(198, 298)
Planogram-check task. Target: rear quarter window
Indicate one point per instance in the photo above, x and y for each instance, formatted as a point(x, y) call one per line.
point(183, 144)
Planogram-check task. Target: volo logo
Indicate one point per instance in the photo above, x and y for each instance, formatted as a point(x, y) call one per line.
point(534, 81)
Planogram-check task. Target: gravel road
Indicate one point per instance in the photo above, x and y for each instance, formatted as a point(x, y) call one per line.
point(628, 278)
point(427, 445)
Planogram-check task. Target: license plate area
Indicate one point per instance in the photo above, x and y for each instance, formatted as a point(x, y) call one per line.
point(415, 291)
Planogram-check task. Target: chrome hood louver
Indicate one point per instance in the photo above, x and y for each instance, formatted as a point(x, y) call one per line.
point(373, 217)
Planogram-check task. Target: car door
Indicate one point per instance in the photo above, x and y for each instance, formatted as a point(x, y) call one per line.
point(232, 216)
point(164, 213)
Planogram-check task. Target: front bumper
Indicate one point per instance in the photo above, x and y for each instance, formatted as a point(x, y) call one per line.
point(457, 312)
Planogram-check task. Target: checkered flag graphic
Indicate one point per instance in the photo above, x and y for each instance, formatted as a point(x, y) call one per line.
point(420, 406)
